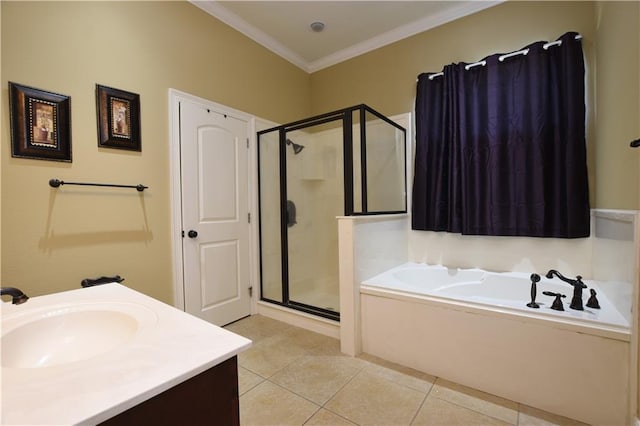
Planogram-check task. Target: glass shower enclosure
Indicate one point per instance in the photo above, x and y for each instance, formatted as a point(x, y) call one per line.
point(346, 162)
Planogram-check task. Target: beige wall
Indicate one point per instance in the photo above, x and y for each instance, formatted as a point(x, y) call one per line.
point(51, 239)
point(617, 75)
point(618, 108)
point(2, 109)
point(385, 78)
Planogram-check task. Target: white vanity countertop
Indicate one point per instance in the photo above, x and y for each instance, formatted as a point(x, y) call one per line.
point(168, 347)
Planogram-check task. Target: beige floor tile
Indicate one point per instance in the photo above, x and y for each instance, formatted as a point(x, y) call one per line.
point(269, 404)
point(475, 400)
point(372, 400)
point(437, 412)
point(258, 327)
point(530, 416)
point(309, 340)
point(330, 347)
point(327, 418)
point(317, 378)
point(399, 374)
point(247, 380)
point(270, 355)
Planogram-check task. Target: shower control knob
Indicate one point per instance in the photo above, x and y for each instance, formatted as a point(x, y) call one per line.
point(192, 234)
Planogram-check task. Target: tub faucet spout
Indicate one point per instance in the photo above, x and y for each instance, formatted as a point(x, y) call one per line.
point(577, 284)
point(17, 296)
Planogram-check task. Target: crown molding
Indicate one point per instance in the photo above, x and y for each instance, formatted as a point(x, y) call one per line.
point(237, 23)
point(401, 33)
point(234, 21)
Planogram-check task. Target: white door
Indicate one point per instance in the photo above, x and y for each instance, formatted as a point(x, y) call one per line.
point(214, 169)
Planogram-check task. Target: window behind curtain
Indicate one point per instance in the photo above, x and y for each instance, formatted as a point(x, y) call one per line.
point(500, 148)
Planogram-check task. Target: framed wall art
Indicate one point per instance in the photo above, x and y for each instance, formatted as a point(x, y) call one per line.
point(40, 123)
point(118, 118)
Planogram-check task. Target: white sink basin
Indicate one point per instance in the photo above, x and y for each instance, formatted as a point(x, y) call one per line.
point(66, 334)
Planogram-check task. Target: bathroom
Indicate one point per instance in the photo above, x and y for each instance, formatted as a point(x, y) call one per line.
point(50, 243)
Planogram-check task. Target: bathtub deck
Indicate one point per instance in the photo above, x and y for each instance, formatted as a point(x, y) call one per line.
point(505, 291)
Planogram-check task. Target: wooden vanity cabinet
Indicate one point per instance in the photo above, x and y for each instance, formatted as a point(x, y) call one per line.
point(210, 398)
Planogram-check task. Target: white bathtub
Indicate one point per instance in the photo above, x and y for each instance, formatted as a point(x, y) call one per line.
point(473, 327)
point(510, 290)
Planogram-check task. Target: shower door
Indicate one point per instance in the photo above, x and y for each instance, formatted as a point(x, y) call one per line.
point(301, 193)
point(315, 194)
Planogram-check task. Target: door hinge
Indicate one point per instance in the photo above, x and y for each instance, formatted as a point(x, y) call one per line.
point(247, 143)
point(249, 217)
point(182, 234)
point(250, 291)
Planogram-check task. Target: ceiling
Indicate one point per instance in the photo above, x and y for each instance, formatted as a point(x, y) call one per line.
point(351, 27)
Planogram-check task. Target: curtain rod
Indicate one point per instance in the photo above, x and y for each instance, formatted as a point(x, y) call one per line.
point(507, 55)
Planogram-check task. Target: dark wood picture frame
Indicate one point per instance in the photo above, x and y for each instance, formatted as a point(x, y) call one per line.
point(40, 123)
point(118, 118)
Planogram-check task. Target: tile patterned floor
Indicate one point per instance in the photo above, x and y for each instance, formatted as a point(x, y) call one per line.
point(292, 376)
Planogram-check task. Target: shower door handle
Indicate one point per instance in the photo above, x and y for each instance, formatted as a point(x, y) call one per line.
point(192, 234)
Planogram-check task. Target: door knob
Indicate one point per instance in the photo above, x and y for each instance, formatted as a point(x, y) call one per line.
point(192, 234)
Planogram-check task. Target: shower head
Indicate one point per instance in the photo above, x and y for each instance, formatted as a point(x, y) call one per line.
point(296, 148)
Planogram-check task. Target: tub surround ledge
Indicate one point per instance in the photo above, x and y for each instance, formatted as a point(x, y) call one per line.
point(367, 245)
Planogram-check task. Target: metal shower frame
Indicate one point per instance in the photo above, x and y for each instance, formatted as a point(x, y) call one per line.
point(346, 115)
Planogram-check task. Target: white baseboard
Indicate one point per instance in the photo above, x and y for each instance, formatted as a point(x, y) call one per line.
point(300, 319)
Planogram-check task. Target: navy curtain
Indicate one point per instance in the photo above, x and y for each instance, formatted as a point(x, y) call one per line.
point(500, 148)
